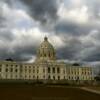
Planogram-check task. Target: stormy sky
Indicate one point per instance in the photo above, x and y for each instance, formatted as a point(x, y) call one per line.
point(72, 26)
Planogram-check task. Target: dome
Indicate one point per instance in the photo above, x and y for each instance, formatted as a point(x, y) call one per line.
point(46, 51)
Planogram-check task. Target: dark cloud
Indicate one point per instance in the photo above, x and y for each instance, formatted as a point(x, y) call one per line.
point(24, 53)
point(73, 28)
point(93, 55)
point(5, 32)
point(6, 35)
point(71, 50)
point(42, 10)
point(2, 19)
point(45, 11)
point(19, 53)
point(66, 27)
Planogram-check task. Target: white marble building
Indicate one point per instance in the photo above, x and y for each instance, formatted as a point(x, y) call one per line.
point(45, 67)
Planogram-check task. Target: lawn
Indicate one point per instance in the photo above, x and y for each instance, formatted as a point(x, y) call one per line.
point(30, 92)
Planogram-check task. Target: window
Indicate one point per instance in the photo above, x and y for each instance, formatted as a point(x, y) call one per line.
point(58, 70)
point(53, 70)
point(44, 77)
point(64, 77)
point(7, 65)
point(21, 70)
point(16, 70)
point(11, 70)
point(37, 77)
point(29, 70)
point(12, 65)
point(48, 69)
point(44, 55)
point(33, 71)
point(49, 54)
point(6, 69)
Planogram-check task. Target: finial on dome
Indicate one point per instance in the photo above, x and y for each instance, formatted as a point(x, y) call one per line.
point(45, 38)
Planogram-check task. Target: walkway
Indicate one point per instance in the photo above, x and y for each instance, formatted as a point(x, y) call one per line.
point(90, 90)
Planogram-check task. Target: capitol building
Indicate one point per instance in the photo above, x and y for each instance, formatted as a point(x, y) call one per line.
point(46, 67)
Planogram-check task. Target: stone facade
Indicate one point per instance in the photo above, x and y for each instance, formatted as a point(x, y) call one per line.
point(45, 67)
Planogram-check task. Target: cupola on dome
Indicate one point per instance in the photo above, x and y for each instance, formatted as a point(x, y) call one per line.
point(46, 51)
